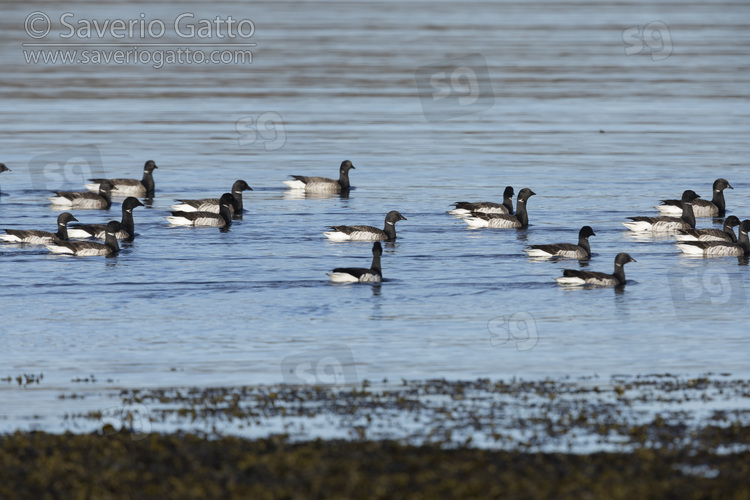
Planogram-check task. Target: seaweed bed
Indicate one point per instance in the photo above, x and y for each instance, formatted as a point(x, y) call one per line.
point(656, 436)
point(40, 465)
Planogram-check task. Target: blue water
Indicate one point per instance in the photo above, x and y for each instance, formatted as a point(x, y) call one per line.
point(598, 135)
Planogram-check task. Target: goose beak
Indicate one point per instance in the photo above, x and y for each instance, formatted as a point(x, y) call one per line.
point(403, 218)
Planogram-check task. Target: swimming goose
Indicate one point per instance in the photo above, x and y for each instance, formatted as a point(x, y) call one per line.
point(711, 234)
point(367, 233)
point(519, 220)
point(464, 208)
point(35, 237)
point(3, 168)
point(212, 204)
point(76, 199)
point(360, 274)
point(323, 184)
point(89, 248)
point(127, 226)
point(222, 219)
point(575, 277)
point(664, 223)
point(719, 248)
point(565, 250)
point(130, 187)
point(701, 208)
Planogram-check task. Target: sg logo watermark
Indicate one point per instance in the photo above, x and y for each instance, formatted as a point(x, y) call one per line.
point(135, 417)
point(333, 365)
point(698, 292)
point(454, 87)
point(654, 39)
point(520, 326)
point(65, 169)
point(267, 127)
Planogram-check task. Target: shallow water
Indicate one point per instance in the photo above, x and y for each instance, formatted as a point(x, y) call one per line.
point(598, 135)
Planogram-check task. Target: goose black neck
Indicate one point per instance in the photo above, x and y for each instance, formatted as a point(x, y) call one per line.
point(237, 201)
point(719, 201)
point(744, 242)
point(148, 180)
point(224, 212)
point(62, 232)
point(376, 264)
point(521, 214)
point(508, 203)
point(127, 221)
point(110, 240)
point(688, 215)
point(583, 242)
point(390, 231)
point(730, 232)
point(344, 180)
point(619, 273)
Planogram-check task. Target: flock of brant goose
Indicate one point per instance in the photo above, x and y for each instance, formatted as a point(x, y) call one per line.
point(219, 212)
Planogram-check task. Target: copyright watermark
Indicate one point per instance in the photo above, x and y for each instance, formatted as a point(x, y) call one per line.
point(184, 39)
point(455, 87)
point(38, 25)
point(654, 39)
point(519, 327)
point(332, 366)
point(265, 128)
point(701, 292)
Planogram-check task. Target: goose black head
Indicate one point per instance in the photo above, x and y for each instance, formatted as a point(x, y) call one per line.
point(346, 165)
point(105, 187)
point(393, 217)
point(525, 194)
point(377, 249)
point(149, 166)
point(64, 218)
point(130, 203)
point(226, 200)
point(689, 196)
point(3, 168)
point(745, 227)
point(721, 184)
point(622, 258)
point(585, 232)
point(113, 227)
point(732, 221)
point(239, 186)
point(508, 193)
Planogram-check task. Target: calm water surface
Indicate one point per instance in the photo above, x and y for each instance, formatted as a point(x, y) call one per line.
point(598, 135)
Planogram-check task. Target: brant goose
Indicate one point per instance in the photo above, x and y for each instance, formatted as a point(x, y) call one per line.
point(323, 184)
point(3, 168)
point(130, 187)
point(565, 250)
point(212, 204)
point(575, 277)
point(711, 234)
point(35, 237)
point(701, 208)
point(127, 227)
point(465, 208)
point(222, 219)
point(367, 233)
point(519, 220)
point(89, 248)
point(71, 199)
point(719, 248)
point(360, 274)
point(664, 223)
